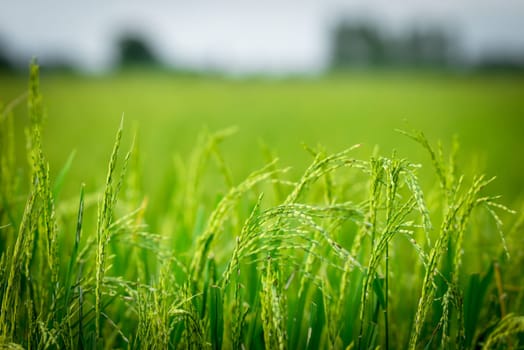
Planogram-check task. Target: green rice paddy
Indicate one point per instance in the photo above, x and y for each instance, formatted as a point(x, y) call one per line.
point(298, 213)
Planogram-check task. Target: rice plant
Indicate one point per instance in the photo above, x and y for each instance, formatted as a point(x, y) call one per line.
point(354, 253)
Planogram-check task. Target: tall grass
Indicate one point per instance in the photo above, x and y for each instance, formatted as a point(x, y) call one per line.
point(352, 254)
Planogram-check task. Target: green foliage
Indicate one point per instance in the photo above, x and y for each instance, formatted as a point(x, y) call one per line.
point(351, 254)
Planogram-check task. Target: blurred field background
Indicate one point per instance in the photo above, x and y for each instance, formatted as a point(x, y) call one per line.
point(319, 73)
point(484, 111)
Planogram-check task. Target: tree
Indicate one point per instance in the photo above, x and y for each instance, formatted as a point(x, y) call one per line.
point(357, 44)
point(5, 63)
point(134, 50)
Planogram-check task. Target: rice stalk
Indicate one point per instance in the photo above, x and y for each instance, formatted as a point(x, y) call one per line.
point(104, 221)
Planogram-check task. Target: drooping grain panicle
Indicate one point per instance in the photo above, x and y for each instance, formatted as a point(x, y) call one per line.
point(506, 332)
point(216, 220)
point(460, 203)
point(206, 148)
point(272, 310)
point(12, 277)
point(396, 213)
point(36, 259)
point(322, 166)
point(444, 175)
point(104, 221)
point(249, 226)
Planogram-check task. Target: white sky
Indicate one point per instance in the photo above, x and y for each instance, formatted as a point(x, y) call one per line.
point(243, 35)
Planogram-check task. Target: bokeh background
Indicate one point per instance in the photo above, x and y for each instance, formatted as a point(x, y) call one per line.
point(284, 73)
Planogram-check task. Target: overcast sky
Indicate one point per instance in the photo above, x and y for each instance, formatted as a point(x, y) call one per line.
point(240, 36)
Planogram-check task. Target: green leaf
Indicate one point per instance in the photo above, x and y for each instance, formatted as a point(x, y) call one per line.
point(474, 301)
point(59, 181)
point(378, 287)
point(216, 316)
